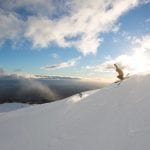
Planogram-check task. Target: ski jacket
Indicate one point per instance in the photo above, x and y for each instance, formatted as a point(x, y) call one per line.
point(120, 72)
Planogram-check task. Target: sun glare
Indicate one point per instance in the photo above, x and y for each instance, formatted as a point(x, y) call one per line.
point(140, 63)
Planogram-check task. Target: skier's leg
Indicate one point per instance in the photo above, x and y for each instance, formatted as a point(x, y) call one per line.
point(120, 77)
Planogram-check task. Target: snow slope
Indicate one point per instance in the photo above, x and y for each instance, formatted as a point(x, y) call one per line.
point(6, 107)
point(113, 118)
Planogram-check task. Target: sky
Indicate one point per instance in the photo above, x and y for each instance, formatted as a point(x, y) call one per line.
point(77, 38)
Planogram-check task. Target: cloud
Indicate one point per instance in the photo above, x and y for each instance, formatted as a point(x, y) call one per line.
point(88, 20)
point(55, 21)
point(147, 20)
point(137, 60)
point(67, 64)
point(145, 1)
point(31, 87)
point(17, 73)
point(2, 72)
point(55, 56)
point(10, 26)
point(33, 7)
point(27, 90)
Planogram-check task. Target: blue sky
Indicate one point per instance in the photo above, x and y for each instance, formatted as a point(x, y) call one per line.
point(75, 37)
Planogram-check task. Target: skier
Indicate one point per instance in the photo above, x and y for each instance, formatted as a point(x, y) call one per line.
point(120, 72)
point(80, 94)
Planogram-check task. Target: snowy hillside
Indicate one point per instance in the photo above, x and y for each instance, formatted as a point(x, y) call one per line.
point(113, 118)
point(6, 107)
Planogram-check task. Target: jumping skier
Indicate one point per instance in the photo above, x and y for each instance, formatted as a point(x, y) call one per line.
point(120, 72)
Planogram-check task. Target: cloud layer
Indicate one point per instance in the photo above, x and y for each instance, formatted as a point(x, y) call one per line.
point(67, 64)
point(72, 23)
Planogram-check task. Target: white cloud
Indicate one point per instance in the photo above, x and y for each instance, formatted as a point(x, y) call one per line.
point(136, 61)
point(55, 56)
point(145, 1)
point(50, 21)
point(10, 26)
point(2, 72)
point(87, 20)
point(43, 7)
point(67, 64)
point(147, 20)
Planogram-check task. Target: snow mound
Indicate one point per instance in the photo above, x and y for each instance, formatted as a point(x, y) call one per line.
point(81, 96)
point(113, 118)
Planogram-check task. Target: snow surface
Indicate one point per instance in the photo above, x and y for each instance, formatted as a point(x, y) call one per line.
point(113, 118)
point(6, 107)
